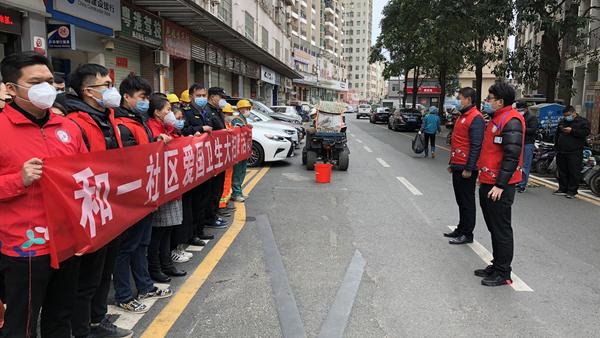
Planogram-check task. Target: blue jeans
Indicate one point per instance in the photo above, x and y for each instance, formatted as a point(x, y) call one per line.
point(132, 260)
point(527, 159)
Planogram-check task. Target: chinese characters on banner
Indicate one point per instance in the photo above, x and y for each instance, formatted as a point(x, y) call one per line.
point(92, 198)
point(177, 41)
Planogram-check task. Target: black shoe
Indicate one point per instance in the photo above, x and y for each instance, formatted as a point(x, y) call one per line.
point(159, 277)
point(452, 234)
point(488, 271)
point(197, 241)
point(462, 239)
point(559, 193)
point(496, 279)
point(570, 196)
point(520, 189)
point(207, 237)
point(106, 329)
point(174, 272)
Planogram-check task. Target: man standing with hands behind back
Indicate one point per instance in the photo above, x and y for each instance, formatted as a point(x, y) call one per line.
point(499, 171)
point(465, 149)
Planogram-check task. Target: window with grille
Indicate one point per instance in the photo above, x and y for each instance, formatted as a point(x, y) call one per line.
point(265, 38)
point(225, 11)
point(249, 26)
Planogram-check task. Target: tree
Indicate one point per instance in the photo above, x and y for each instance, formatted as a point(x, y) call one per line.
point(564, 35)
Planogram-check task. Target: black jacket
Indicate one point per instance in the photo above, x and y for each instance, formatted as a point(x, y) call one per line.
point(512, 145)
point(73, 104)
point(127, 137)
point(575, 140)
point(215, 117)
point(531, 124)
point(194, 120)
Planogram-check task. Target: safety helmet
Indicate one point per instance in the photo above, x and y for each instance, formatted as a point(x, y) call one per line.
point(228, 109)
point(244, 104)
point(173, 98)
point(185, 96)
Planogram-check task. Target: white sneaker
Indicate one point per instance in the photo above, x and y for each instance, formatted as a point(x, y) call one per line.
point(181, 249)
point(240, 199)
point(178, 257)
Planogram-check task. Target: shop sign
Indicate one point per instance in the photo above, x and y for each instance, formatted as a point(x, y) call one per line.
point(39, 45)
point(61, 36)
point(177, 41)
point(140, 25)
point(122, 62)
point(425, 90)
point(10, 21)
point(106, 13)
point(268, 75)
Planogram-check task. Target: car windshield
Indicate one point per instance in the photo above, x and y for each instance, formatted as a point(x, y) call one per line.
point(262, 108)
point(260, 116)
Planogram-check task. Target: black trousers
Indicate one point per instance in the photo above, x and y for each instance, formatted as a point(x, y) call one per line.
point(95, 277)
point(159, 250)
point(184, 232)
point(497, 217)
point(429, 140)
point(32, 284)
point(217, 191)
point(569, 171)
point(464, 192)
point(202, 198)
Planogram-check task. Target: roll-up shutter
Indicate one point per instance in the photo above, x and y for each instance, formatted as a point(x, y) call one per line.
point(225, 79)
point(199, 50)
point(170, 81)
point(247, 87)
point(214, 76)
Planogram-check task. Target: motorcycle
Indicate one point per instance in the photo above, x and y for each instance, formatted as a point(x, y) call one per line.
point(543, 158)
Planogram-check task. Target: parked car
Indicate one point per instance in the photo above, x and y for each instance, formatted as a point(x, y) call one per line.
point(405, 119)
point(259, 106)
point(350, 109)
point(381, 114)
point(280, 127)
point(286, 110)
point(267, 145)
point(363, 110)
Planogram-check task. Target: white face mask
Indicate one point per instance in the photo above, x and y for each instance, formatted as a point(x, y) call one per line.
point(170, 119)
point(222, 103)
point(110, 98)
point(41, 95)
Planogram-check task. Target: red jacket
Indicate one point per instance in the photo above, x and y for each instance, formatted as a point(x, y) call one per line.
point(492, 151)
point(92, 132)
point(157, 128)
point(133, 125)
point(461, 140)
point(22, 215)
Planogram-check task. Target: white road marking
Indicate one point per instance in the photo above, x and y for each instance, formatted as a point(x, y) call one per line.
point(368, 149)
point(359, 141)
point(409, 186)
point(127, 320)
point(518, 284)
point(383, 163)
point(352, 135)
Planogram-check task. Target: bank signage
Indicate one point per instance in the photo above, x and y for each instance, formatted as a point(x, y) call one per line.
point(106, 13)
point(61, 36)
point(269, 75)
point(141, 26)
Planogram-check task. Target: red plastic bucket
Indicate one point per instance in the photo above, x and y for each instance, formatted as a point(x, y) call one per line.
point(323, 172)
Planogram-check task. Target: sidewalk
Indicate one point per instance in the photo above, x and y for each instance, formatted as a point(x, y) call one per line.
point(552, 183)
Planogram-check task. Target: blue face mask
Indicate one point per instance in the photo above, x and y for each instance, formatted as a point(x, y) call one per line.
point(487, 107)
point(179, 124)
point(142, 106)
point(201, 101)
point(569, 118)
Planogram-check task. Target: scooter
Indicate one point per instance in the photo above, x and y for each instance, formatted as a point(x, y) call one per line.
point(543, 156)
point(451, 118)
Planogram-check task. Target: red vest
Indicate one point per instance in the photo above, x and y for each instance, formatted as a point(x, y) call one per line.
point(492, 153)
point(461, 141)
point(137, 129)
point(93, 133)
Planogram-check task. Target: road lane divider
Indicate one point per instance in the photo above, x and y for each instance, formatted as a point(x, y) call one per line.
point(359, 140)
point(517, 283)
point(368, 149)
point(162, 323)
point(383, 163)
point(409, 186)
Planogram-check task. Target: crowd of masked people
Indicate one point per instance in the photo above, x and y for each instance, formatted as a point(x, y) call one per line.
point(40, 119)
point(499, 154)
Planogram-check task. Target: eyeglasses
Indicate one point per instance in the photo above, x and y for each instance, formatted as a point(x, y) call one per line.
point(105, 84)
point(490, 98)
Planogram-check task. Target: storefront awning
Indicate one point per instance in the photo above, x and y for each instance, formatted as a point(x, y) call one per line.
point(195, 18)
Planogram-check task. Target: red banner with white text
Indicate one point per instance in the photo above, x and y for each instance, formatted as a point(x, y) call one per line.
point(92, 198)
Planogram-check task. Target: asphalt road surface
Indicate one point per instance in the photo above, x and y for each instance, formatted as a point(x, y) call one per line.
point(364, 256)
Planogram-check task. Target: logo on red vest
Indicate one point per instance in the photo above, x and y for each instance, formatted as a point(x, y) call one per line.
point(63, 136)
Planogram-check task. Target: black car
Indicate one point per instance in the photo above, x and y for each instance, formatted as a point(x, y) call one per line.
point(405, 119)
point(381, 114)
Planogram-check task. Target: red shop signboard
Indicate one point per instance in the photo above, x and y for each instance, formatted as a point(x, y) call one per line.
point(425, 90)
point(177, 41)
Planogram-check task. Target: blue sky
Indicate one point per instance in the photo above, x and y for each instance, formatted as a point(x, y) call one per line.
point(377, 9)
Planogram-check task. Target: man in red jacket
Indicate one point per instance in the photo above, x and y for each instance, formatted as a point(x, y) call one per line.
point(31, 134)
point(499, 171)
point(93, 111)
point(465, 149)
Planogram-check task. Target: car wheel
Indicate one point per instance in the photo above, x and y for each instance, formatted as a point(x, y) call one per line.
point(343, 160)
point(258, 155)
point(541, 167)
point(311, 159)
point(595, 184)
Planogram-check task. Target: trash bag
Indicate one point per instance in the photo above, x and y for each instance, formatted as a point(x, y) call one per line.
point(418, 144)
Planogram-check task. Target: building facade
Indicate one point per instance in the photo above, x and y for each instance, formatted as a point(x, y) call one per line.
point(362, 77)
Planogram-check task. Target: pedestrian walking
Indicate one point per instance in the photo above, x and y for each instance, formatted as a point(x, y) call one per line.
point(430, 127)
point(465, 148)
point(570, 139)
point(531, 130)
point(500, 170)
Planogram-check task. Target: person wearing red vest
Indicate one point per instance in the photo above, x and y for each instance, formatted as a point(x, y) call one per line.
point(465, 149)
point(500, 166)
point(93, 111)
point(30, 134)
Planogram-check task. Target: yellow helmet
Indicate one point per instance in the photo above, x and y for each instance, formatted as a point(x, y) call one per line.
point(173, 98)
point(228, 109)
point(185, 96)
point(244, 104)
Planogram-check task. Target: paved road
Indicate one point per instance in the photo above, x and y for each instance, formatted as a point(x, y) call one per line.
point(391, 208)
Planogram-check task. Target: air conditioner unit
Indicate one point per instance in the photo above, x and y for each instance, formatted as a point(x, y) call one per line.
point(161, 58)
point(215, 2)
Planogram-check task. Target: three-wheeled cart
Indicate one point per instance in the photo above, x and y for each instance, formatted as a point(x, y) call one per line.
point(326, 141)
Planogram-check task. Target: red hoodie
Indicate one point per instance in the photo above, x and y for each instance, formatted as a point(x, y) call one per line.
point(23, 229)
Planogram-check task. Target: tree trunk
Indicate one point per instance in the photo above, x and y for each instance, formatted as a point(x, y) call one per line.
point(478, 84)
point(549, 62)
point(565, 78)
point(415, 87)
point(443, 81)
point(405, 87)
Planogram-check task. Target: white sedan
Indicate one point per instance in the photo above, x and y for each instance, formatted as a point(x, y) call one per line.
point(268, 145)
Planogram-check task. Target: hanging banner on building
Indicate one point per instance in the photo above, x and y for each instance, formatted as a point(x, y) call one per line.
point(140, 26)
point(177, 41)
point(106, 13)
point(92, 198)
point(61, 36)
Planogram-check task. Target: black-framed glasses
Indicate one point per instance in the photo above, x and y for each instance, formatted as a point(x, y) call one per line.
point(105, 84)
